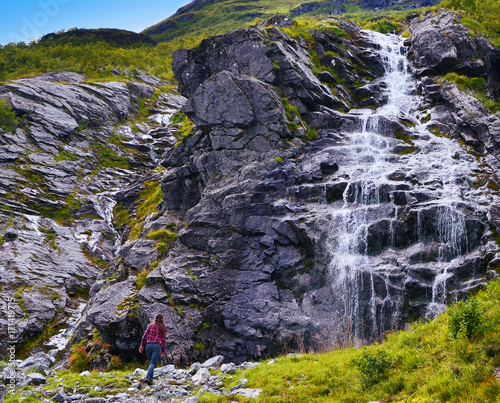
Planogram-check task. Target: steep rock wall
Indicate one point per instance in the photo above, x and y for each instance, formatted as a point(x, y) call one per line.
point(257, 266)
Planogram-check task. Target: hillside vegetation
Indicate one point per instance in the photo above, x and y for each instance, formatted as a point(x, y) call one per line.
point(451, 359)
point(92, 55)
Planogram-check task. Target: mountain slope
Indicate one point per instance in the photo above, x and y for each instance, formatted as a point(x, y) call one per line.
point(212, 17)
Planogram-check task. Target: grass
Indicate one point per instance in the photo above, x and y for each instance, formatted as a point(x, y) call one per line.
point(147, 203)
point(475, 86)
point(427, 364)
point(8, 119)
point(449, 359)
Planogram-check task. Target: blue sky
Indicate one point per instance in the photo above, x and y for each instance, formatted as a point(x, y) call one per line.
point(24, 20)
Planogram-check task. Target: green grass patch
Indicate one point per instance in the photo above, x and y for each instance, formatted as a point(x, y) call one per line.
point(147, 203)
point(66, 155)
point(475, 86)
point(162, 235)
point(427, 364)
point(183, 126)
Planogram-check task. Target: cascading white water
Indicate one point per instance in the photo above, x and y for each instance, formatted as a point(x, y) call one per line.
point(361, 280)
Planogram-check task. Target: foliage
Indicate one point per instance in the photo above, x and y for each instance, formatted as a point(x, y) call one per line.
point(141, 278)
point(475, 86)
point(183, 126)
point(373, 366)
point(425, 364)
point(79, 359)
point(115, 362)
point(487, 12)
point(109, 158)
point(220, 17)
point(162, 235)
point(8, 118)
point(96, 60)
point(146, 203)
point(383, 25)
point(467, 318)
point(66, 155)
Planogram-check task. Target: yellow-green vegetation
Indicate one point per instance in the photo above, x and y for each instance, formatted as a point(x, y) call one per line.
point(18, 60)
point(450, 359)
point(109, 158)
point(110, 383)
point(223, 16)
point(66, 155)
point(148, 199)
point(162, 235)
point(475, 86)
point(141, 278)
point(183, 127)
point(486, 14)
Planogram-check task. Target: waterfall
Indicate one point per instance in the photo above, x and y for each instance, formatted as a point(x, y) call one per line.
point(369, 228)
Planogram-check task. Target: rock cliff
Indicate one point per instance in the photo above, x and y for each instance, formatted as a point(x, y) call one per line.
point(261, 190)
point(330, 191)
point(59, 170)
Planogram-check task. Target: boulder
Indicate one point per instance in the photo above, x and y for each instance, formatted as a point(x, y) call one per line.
point(34, 378)
point(111, 313)
point(201, 376)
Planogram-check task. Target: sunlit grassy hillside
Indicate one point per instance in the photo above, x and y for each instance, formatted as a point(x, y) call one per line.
point(451, 359)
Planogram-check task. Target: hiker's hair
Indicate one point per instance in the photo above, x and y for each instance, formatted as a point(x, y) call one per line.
point(160, 323)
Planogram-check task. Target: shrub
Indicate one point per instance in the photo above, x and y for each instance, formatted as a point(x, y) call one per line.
point(8, 118)
point(115, 363)
point(465, 317)
point(79, 359)
point(373, 366)
point(141, 278)
point(162, 248)
point(162, 235)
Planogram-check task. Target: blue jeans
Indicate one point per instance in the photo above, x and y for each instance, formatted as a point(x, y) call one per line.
point(153, 351)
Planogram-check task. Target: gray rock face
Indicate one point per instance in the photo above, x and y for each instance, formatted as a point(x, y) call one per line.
point(260, 262)
point(442, 44)
point(60, 109)
point(285, 236)
point(109, 315)
point(56, 196)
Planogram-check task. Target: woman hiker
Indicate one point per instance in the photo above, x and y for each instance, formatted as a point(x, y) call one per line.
point(154, 342)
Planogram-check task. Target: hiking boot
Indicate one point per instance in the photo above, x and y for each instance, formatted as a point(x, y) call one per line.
point(148, 381)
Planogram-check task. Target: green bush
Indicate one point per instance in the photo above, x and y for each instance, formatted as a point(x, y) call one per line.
point(8, 118)
point(465, 317)
point(373, 366)
point(162, 235)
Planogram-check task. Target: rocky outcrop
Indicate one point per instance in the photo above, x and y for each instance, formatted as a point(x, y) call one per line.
point(59, 172)
point(442, 44)
point(308, 206)
point(454, 112)
point(258, 263)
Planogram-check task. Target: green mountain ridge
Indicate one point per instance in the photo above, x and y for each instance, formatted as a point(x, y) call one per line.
point(212, 17)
